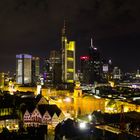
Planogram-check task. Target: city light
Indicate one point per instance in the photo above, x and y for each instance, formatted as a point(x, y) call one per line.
point(67, 99)
point(82, 125)
point(90, 117)
point(84, 57)
point(97, 97)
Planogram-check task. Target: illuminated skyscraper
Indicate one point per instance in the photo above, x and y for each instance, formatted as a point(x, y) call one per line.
point(68, 59)
point(23, 69)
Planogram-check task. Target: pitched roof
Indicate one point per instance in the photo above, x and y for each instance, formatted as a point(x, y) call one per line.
point(42, 101)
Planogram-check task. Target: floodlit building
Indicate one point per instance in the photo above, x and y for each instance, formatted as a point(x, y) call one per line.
point(23, 69)
point(68, 59)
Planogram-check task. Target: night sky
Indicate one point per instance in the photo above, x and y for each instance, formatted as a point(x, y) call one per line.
point(34, 27)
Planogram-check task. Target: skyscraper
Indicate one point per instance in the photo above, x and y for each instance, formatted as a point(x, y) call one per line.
point(47, 73)
point(95, 64)
point(116, 73)
point(84, 69)
point(91, 66)
point(68, 59)
point(35, 69)
point(23, 69)
point(56, 67)
point(55, 57)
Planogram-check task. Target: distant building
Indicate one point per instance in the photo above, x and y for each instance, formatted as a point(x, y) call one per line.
point(105, 72)
point(84, 69)
point(2, 80)
point(55, 57)
point(56, 67)
point(95, 64)
point(47, 73)
point(35, 70)
point(68, 59)
point(23, 69)
point(116, 73)
point(91, 66)
point(138, 74)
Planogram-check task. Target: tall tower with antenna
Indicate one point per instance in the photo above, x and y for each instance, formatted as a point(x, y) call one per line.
point(68, 58)
point(94, 63)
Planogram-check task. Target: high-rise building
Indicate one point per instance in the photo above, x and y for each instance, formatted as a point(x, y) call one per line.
point(84, 69)
point(68, 59)
point(105, 71)
point(56, 67)
point(91, 66)
point(116, 73)
point(47, 73)
point(55, 57)
point(23, 69)
point(95, 64)
point(35, 69)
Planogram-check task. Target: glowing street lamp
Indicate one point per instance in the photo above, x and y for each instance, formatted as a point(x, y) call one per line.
point(82, 125)
point(90, 117)
point(68, 100)
point(39, 87)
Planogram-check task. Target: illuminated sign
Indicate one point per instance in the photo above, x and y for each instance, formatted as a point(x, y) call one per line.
point(84, 57)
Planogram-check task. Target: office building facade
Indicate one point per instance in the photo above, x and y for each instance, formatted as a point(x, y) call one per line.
point(56, 67)
point(91, 66)
point(68, 59)
point(23, 69)
point(35, 70)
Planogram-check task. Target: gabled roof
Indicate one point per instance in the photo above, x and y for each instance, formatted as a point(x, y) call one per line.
point(26, 113)
point(43, 101)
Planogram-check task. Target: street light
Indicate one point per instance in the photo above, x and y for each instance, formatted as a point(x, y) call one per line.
point(82, 125)
point(67, 99)
point(90, 117)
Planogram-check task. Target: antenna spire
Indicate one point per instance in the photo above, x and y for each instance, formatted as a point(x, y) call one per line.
point(92, 46)
point(64, 28)
point(92, 43)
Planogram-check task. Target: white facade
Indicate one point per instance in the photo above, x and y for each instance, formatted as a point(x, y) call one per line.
point(23, 69)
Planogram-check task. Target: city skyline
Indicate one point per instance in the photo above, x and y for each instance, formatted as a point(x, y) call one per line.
point(35, 28)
